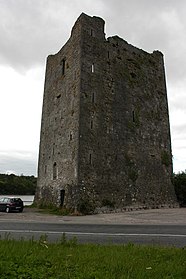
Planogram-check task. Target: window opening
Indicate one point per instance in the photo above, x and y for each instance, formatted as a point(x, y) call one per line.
point(93, 68)
point(63, 62)
point(93, 97)
point(133, 75)
point(54, 171)
point(45, 169)
point(91, 124)
point(90, 159)
point(133, 116)
point(108, 54)
point(70, 135)
point(92, 32)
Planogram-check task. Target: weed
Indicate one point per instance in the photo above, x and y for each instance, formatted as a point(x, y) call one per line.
point(64, 241)
point(165, 158)
point(85, 207)
point(109, 203)
point(52, 209)
point(68, 259)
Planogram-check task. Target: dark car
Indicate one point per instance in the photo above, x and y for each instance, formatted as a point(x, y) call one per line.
point(11, 204)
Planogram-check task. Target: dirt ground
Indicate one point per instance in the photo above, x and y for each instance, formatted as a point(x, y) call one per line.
point(170, 216)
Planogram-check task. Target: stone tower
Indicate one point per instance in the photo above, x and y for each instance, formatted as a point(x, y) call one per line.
point(105, 138)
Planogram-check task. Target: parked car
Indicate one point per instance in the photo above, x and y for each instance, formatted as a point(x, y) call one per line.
point(11, 204)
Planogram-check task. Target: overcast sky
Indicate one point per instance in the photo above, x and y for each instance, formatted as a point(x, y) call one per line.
point(30, 30)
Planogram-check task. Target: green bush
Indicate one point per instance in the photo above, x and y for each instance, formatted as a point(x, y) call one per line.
point(85, 207)
point(179, 182)
point(165, 158)
point(52, 209)
point(109, 203)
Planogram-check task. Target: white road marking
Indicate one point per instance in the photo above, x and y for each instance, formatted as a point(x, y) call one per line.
point(96, 234)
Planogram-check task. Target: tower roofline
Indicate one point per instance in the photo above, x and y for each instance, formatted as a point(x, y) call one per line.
point(83, 15)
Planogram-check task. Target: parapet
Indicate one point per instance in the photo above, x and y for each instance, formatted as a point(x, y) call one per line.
point(94, 25)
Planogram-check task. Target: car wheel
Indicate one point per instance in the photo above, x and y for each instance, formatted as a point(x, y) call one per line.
point(21, 210)
point(7, 209)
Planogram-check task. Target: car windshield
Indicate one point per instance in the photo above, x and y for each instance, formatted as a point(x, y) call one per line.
point(15, 200)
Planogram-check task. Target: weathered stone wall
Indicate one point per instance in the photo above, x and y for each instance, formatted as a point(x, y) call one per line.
point(58, 155)
point(105, 124)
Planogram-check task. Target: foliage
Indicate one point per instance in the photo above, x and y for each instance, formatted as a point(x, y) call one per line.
point(179, 182)
point(109, 203)
point(67, 259)
point(85, 207)
point(165, 158)
point(19, 185)
point(52, 209)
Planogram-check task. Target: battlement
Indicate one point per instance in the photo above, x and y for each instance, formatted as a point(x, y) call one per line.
point(94, 26)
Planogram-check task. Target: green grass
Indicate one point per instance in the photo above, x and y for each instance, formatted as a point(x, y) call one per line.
point(51, 209)
point(67, 259)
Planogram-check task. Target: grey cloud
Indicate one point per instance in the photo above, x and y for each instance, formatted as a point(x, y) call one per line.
point(177, 103)
point(32, 29)
point(18, 163)
point(29, 30)
point(180, 147)
point(153, 25)
point(179, 131)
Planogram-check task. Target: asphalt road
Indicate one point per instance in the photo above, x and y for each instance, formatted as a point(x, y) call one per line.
point(174, 235)
point(156, 226)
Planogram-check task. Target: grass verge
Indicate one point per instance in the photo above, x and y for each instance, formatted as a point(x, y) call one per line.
point(51, 209)
point(67, 259)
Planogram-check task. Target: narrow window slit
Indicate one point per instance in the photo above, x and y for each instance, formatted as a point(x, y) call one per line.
point(93, 68)
point(92, 32)
point(93, 97)
point(63, 62)
point(133, 116)
point(54, 171)
point(90, 159)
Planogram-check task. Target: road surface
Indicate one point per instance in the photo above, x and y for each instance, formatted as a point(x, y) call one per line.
point(152, 228)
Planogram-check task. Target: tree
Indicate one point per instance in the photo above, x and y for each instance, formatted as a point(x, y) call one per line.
point(17, 185)
point(179, 182)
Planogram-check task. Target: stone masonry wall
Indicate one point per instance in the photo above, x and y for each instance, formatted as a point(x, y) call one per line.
point(58, 155)
point(105, 137)
point(125, 148)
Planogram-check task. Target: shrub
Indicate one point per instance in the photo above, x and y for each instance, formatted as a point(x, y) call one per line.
point(85, 207)
point(165, 158)
point(179, 182)
point(106, 202)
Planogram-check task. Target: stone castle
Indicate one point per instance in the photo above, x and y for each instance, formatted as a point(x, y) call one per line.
point(105, 137)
